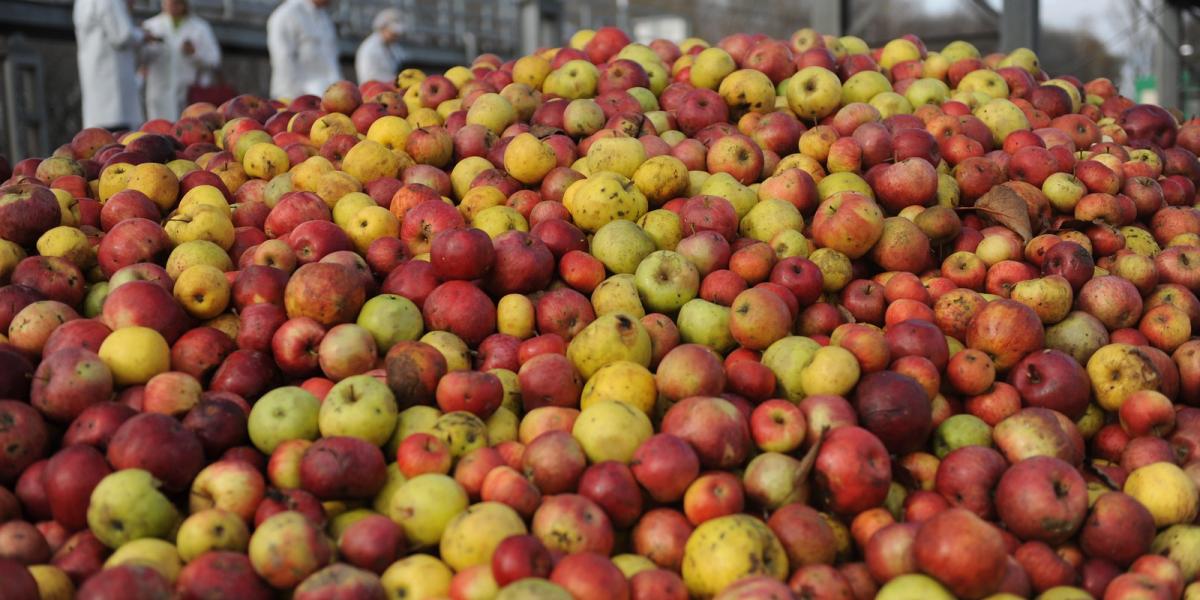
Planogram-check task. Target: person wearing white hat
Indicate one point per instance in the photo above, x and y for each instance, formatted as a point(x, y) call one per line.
point(302, 42)
point(379, 57)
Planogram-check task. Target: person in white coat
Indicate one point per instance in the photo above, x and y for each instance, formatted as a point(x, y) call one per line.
point(379, 57)
point(107, 42)
point(187, 50)
point(303, 45)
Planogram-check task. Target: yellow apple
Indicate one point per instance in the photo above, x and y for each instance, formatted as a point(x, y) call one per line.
point(135, 354)
point(203, 291)
point(528, 159)
point(157, 182)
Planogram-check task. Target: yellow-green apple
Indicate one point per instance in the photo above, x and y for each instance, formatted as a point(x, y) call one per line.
point(359, 406)
point(127, 505)
point(814, 92)
point(282, 414)
point(211, 530)
point(1118, 370)
point(424, 505)
point(666, 281)
point(743, 537)
point(706, 323)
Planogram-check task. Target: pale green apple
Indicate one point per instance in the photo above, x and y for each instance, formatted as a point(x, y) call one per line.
point(127, 505)
point(472, 535)
point(383, 500)
point(814, 93)
point(286, 413)
point(664, 227)
point(645, 98)
point(211, 529)
point(360, 406)
point(958, 50)
point(159, 555)
point(610, 338)
point(391, 319)
point(619, 154)
point(667, 280)
point(927, 91)
point(424, 505)
point(843, 182)
point(864, 85)
point(710, 67)
point(611, 430)
point(787, 358)
point(890, 103)
point(621, 245)
point(985, 81)
point(618, 294)
point(854, 45)
point(461, 431)
point(602, 198)
point(706, 323)
point(958, 431)
point(913, 586)
point(1002, 117)
point(725, 186)
point(770, 217)
point(1024, 58)
point(575, 79)
point(93, 303)
point(897, 51)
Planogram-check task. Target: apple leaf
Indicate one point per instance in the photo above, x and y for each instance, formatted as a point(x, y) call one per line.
point(810, 459)
point(1005, 207)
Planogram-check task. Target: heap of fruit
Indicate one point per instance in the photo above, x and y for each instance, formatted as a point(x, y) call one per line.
point(766, 319)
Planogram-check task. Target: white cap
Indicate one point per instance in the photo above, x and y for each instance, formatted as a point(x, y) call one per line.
point(390, 18)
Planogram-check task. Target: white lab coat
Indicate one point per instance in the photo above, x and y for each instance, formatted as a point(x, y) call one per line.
point(304, 52)
point(376, 60)
point(169, 71)
point(107, 42)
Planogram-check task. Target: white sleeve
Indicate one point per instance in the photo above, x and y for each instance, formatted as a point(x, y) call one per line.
point(208, 50)
point(118, 25)
point(283, 55)
point(150, 52)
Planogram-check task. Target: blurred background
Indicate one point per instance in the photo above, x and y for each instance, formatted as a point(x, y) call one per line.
point(1148, 47)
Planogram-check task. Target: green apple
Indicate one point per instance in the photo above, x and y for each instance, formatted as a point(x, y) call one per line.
point(611, 430)
point(608, 339)
point(833, 370)
point(93, 303)
point(664, 227)
point(472, 535)
point(126, 505)
point(770, 217)
point(211, 529)
point(1002, 117)
point(706, 323)
point(913, 586)
point(602, 198)
point(619, 154)
point(583, 117)
point(390, 319)
point(159, 555)
point(575, 79)
point(621, 245)
point(724, 185)
point(492, 111)
point(843, 182)
point(814, 93)
point(383, 500)
point(958, 431)
point(424, 505)
point(787, 358)
point(985, 81)
point(1063, 190)
point(864, 85)
point(461, 431)
point(618, 294)
point(1024, 58)
point(286, 413)
point(453, 349)
point(958, 49)
point(710, 67)
point(897, 51)
point(667, 280)
point(927, 91)
point(360, 406)
point(891, 103)
point(646, 99)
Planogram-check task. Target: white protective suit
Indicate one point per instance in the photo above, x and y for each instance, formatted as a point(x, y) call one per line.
point(376, 60)
point(304, 50)
point(169, 71)
point(107, 41)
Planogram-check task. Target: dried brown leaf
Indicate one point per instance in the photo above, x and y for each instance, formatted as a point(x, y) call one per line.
point(1006, 208)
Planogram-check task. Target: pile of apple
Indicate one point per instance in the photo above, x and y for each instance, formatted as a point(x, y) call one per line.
point(765, 319)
